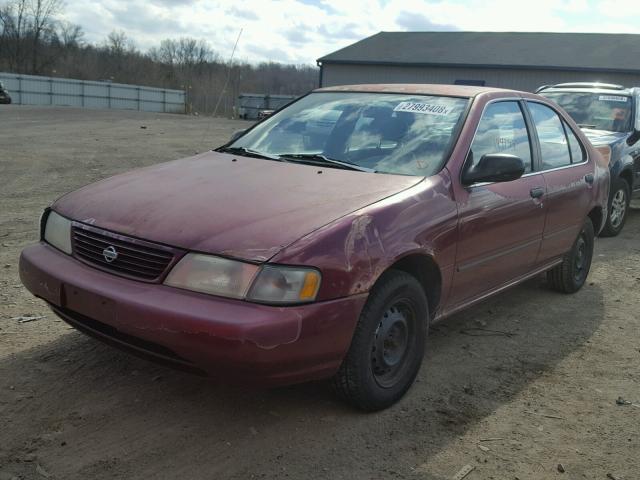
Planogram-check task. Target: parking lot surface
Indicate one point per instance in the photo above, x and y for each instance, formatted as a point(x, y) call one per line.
point(522, 386)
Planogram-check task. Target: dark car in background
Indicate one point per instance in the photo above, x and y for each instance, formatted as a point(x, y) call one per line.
point(4, 95)
point(322, 241)
point(609, 115)
point(266, 113)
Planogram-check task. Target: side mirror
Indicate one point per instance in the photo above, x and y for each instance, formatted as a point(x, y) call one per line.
point(495, 167)
point(237, 134)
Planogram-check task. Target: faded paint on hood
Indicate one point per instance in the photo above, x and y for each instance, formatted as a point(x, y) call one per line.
point(248, 208)
point(603, 137)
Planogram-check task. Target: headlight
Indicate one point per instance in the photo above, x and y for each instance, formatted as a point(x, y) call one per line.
point(234, 279)
point(57, 232)
point(276, 284)
point(215, 275)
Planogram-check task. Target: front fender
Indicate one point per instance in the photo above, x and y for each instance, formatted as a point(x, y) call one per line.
point(621, 160)
point(353, 251)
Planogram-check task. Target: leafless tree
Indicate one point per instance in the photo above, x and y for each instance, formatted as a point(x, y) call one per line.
point(184, 52)
point(70, 35)
point(25, 25)
point(119, 44)
point(42, 21)
point(32, 41)
point(13, 19)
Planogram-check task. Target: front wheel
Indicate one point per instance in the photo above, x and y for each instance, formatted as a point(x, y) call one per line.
point(619, 199)
point(387, 346)
point(570, 275)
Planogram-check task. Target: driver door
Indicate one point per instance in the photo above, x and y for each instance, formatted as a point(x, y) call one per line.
point(500, 224)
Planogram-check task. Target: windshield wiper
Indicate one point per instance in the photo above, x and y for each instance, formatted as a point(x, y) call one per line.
point(319, 158)
point(247, 152)
point(587, 125)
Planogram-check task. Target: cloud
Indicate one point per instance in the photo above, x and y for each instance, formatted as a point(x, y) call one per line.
point(323, 5)
point(300, 31)
point(173, 3)
point(297, 36)
point(269, 54)
point(137, 19)
point(419, 22)
point(349, 31)
point(244, 13)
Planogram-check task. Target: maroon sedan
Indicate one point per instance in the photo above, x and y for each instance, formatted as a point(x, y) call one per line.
point(321, 242)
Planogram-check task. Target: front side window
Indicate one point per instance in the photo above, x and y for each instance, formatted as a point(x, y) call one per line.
point(502, 129)
point(596, 110)
point(554, 148)
point(388, 133)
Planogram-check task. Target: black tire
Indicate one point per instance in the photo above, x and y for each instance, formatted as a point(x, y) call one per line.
point(570, 275)
point(619, 199)
point(387, 346)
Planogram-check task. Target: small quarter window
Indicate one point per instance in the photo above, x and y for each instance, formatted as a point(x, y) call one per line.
point(554, 148)
point(502, 129)
point(575, 147)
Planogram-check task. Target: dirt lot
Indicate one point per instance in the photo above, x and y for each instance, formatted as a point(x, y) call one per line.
point(539, 391)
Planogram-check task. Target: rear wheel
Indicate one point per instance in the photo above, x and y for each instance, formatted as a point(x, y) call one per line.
point(388, 345)
point(570, 275)
point(619, 199)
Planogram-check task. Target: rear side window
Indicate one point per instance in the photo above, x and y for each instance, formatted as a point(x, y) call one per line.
point(577, 152)
point(554, 148)
point(502, 129)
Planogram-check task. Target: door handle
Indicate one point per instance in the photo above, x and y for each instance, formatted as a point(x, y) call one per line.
point(536, 192)
point(589, 178)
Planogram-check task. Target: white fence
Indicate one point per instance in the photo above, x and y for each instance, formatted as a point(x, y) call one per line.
point(35, 90)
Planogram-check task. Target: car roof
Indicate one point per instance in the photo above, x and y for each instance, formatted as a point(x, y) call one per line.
point(417, 88)
point(593, 87)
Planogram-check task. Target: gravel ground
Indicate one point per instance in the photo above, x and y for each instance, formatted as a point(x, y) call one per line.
point(535, 396)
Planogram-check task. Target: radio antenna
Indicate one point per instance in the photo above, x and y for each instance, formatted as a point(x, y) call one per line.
point(226, 82)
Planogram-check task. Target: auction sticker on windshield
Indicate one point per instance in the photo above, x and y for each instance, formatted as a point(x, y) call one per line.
point(426, 108)
point(612, 98)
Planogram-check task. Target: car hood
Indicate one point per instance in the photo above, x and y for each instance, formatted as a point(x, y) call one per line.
point(604, 137)
point(240, 207)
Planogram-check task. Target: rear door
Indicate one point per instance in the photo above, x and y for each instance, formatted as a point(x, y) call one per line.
point(568, 176)
point(500, 224)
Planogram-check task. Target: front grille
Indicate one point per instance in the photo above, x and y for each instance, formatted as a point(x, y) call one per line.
point(133, 258)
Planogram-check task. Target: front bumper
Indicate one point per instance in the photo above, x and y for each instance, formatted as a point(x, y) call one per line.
point(239, 341)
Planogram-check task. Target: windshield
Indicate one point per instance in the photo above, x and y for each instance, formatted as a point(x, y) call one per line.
point(596, 110)
point(387, 133)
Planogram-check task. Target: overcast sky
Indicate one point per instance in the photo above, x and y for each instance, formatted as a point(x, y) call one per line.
point(300, 31)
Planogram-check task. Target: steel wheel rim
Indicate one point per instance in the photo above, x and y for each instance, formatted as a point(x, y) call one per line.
point(618, 208)
point(391, 343)
point(580, 261)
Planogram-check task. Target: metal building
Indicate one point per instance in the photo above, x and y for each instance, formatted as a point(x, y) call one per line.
point(522, 61)
point(37, 90)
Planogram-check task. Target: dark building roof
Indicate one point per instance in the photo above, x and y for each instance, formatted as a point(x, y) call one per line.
point(418, 88)
point(566, 51)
